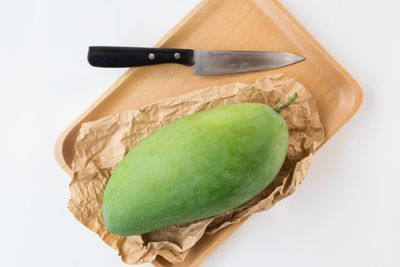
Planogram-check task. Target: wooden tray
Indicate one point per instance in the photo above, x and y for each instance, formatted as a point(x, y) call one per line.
point(233, 25)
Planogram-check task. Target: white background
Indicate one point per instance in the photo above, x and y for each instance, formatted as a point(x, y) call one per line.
point(347, 211)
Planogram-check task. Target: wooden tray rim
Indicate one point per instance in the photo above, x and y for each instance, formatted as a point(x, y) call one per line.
point(356, 101)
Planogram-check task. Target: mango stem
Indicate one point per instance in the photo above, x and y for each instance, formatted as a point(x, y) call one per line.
point(290, 101)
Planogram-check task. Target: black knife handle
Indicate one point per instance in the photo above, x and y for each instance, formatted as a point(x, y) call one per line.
point(116, 57)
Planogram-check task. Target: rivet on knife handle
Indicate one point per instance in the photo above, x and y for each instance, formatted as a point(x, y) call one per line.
point(116, 57)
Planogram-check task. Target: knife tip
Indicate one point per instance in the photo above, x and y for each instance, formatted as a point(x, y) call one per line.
point(299, 58)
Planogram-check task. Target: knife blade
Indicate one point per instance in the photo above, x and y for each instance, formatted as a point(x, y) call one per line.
point(204, 62)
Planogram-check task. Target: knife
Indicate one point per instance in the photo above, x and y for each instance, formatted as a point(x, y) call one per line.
point(204, 62)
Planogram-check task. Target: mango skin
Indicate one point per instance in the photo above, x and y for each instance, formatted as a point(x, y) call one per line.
point(196, 167)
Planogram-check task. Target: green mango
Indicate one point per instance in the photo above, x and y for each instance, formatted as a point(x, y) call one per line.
point(196, 167)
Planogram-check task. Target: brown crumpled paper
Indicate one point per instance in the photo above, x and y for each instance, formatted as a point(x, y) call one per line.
point(101, 144)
